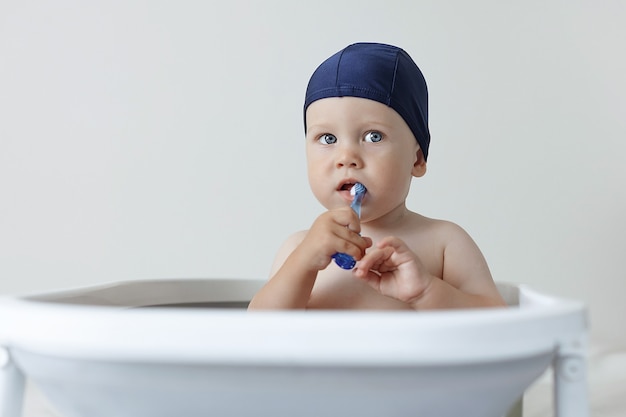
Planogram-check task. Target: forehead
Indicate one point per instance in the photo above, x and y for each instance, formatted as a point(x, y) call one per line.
point(351, 110)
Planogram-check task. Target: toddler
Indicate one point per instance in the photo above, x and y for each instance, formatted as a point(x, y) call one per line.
point(366, 121)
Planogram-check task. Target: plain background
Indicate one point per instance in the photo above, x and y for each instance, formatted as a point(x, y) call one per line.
point(164, 139)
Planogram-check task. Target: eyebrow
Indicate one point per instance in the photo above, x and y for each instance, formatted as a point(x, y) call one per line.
point(385, 126)
point(319, 127)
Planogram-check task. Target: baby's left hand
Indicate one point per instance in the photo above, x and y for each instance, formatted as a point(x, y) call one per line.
point(394, 270)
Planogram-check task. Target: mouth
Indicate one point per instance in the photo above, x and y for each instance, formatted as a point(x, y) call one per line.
point(346, 185)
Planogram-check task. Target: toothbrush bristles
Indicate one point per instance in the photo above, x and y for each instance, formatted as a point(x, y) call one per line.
point(358, 188)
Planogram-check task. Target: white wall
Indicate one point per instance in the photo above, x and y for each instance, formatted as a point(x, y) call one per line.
point(143, 139)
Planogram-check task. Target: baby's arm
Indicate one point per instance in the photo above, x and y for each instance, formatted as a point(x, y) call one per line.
point(305, 254)
point(396, 271)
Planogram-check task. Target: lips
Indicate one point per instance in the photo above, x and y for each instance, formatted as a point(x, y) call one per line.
point(344, 187)
point(347, 184)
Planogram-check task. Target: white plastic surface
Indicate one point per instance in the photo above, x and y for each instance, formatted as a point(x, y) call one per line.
point(12, 383)
point(93, 353)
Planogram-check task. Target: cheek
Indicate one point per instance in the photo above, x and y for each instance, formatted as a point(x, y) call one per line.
point(316, 179)
point(314, 159)
point(318, 162)
point(397, 175)
point(313, 168)
point(398, 185)
point(398, 164)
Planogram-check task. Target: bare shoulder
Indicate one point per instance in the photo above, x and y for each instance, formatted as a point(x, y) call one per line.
point(443, 227)
point(455, 239)
point(424, 232)
point(286, 248)
point(460, 261)
point(440, 232)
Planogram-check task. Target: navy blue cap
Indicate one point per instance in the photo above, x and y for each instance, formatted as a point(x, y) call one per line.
point(378, 72)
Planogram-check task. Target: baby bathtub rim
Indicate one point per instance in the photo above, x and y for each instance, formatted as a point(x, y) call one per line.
point(513, 293)
point(280, 337)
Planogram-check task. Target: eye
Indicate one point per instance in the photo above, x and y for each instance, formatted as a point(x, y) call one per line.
point(327, 139)
point(373, 137)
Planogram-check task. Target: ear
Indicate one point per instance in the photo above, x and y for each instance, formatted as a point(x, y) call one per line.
point(419, 167)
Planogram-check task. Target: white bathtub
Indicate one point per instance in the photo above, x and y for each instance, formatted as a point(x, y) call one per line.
point(94, 353)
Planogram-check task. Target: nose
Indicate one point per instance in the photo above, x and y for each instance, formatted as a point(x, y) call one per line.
point(349, 156)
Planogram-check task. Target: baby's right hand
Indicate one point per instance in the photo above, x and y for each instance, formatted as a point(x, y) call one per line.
point(334, 231)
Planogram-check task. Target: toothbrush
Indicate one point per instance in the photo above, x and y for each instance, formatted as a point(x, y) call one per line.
point(343, 260)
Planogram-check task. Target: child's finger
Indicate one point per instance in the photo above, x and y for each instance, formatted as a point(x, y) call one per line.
point(346, 217)
point(346, 241)
point(372, 260)
point(394, 242)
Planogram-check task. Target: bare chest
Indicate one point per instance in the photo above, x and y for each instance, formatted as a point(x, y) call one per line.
point(336, 288)
point(339, 289)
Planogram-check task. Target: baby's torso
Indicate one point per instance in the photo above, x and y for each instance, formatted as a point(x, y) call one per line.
point(336, 288)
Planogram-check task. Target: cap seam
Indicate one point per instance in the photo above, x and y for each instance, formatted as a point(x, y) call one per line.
point(395, 73)
point(338, 67)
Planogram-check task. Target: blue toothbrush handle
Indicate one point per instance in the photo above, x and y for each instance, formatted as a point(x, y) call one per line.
point(343, 260)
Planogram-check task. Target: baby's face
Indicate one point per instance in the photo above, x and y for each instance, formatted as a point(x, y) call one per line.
point(350, 140)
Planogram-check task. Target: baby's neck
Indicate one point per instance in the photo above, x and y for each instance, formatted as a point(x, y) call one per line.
point(397, 219)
